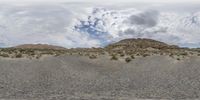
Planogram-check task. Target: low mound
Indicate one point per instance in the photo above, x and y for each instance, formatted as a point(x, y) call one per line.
point(39, 46)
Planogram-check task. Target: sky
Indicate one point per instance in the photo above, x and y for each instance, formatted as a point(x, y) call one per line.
point(95, 23)
point(99, 1)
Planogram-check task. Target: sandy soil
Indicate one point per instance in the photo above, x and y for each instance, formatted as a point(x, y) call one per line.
point(80, 78)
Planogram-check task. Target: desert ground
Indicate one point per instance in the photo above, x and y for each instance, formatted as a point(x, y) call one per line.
point(132, 69)
point(74, 77)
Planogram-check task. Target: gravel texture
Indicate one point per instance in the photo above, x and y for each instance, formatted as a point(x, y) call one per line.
point(80, 78)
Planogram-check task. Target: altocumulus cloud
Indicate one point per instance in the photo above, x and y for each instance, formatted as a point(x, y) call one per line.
point(83, 25)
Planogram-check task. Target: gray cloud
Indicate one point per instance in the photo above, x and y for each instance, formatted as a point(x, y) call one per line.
point(144, 32)
point(147, 18)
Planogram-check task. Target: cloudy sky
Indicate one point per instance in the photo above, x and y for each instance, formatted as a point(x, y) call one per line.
point(99, 1)
point(74, 23)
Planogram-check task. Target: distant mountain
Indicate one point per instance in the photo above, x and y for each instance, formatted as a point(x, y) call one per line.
point(126, 44)
point(40, 46)
point(139, 44)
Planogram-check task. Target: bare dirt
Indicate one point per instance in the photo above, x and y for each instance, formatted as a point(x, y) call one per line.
point(73, 77)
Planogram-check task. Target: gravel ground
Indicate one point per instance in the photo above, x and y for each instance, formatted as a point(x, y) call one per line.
point(81, 78)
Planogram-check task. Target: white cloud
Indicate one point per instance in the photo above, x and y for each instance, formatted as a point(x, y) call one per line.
point(169, 26)
point(99, 1)
point(83, 25)
point(39, 24)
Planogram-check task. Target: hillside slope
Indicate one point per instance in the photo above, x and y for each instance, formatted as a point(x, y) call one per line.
point(140, 43)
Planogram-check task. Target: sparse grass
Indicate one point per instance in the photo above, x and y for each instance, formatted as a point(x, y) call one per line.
point(128, 59)
point(48, 53)
point(115, 54)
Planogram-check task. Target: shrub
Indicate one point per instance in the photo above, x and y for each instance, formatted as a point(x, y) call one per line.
point(4, 55)
point(132, 56)
point(92, 56)
point(128, 59)
point(80, 54)
point(178, 59)
point(184, 53)
point(122, 55)
point(191, 53)
point(137, 54)
point(87, 54)
point(171, 55)
point(38, 57)
point(57, 54)
point(114, 57)
point(103, 53)
point(18, 56)
point(145, 55)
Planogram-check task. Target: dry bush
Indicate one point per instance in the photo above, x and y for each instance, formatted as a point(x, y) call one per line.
point(137, 54)
point(128, 59)
point(102, 53)
point(80, 54)
point(56, 54)
point(171, 55)
point(132, 56)
point(184, 53)
point(38, 56)
point(18, 56)
point(93, 56)
point(4, 55)
point(122, 55)
point(145, 55)
point(113, 57)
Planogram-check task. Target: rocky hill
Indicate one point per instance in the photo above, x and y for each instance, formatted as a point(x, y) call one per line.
point(40, 46)
point(131, 44)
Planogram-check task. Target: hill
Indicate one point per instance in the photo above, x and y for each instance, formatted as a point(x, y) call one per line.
point(139, 43)
point(127, 47)
point(40, 46)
